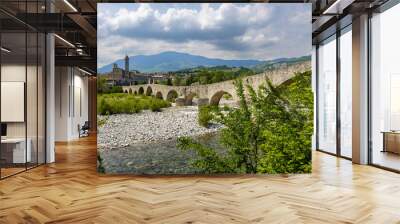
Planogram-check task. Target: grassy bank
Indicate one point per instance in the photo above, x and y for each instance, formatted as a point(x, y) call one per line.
point(122, 103)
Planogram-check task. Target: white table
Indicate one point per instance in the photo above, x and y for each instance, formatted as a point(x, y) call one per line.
point(19, 154)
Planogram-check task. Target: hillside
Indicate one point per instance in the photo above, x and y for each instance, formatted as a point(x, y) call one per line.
point(173, 61)
point(277, 62)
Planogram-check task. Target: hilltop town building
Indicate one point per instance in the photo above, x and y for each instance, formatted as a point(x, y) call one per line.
point(120, 77)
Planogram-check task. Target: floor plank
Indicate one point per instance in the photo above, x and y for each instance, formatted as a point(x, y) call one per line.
point(71, 191)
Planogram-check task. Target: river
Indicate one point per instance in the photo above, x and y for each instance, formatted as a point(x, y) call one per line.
point(158, 157)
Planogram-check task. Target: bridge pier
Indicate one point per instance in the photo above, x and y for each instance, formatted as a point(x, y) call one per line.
point(202, 101)
point(180, 102)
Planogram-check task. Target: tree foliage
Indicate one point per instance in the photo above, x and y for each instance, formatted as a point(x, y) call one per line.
point(103, 87)
point(209, 75)
point(205, 115)
point(122, 103)
point(272, 134)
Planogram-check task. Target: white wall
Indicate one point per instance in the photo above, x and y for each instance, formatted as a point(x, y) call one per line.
point(71, 87)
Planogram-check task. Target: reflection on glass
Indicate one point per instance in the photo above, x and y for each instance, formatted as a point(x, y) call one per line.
point(346, 93)
point(385, 84)
point(31, 100)
point(327, 95)
point(14, 153)
point(22, 90)
point(41, 99)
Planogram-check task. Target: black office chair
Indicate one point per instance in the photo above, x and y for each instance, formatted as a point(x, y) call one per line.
point(84, 130)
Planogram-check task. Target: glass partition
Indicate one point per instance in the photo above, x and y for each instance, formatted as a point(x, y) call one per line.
point(13, 95)
point(327, 95)
point(346, 92)
point(22, 88)
point(385, 89)
point(41, 97)
point(32, 98)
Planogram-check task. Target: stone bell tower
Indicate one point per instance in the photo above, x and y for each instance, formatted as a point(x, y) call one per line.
point(126, 67)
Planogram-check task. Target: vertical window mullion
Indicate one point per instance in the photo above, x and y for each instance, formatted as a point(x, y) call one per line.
point(369, 91)
point(26, 86)
point(338, 74)
point(37, 90)
point(317, 96)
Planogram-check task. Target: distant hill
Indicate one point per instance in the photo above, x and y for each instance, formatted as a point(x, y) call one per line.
point(173, 61)
point(270, 64)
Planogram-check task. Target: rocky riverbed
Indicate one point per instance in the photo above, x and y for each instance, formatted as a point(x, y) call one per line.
point(122, 130)
point(156, 157)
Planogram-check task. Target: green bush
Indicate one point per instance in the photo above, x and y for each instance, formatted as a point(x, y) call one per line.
point(103, 87)
point(121, 103)
point(269, 133)
point(227, 96)
point(205, 115)
point(156, 105)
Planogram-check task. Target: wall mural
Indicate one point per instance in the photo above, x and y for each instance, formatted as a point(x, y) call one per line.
point(204, 88)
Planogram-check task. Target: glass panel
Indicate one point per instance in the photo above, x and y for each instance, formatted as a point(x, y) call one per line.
point(32, 88)
point(13, 86)
point(41, 99)
point(327, 95)
point(31, 98)
point(385, 115)
point(23, 90)
point(346, 92)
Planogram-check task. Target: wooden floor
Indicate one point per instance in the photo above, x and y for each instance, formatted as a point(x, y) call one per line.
point(70, 191)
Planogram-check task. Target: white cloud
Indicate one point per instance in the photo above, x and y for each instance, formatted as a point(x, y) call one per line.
point(257, 31)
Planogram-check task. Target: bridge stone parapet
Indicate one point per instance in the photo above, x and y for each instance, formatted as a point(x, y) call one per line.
point(213, 92)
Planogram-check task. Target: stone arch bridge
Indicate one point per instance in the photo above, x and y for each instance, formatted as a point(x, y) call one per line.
point(212, 93)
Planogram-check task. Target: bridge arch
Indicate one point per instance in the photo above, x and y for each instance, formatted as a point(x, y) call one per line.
point(189, 98)
point(141, 91)
point(149, 91)
point(130, 91)
point(159, 95)
point(125, 91)
point(216, 98)
point(172, 95)
point(135, 92)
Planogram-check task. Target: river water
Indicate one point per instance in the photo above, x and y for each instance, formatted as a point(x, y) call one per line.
point(157, 157)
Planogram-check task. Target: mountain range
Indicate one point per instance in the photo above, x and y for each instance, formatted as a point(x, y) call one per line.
point(174, 61)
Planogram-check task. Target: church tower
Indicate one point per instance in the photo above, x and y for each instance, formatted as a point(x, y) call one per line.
point(126, 66)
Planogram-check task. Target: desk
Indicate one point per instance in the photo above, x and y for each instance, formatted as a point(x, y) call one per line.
point(15, 148)
point(391, 141)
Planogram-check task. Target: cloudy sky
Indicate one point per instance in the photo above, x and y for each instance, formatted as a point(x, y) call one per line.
point(229, 31)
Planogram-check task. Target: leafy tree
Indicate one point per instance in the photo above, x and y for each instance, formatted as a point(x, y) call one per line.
point(240, 136)
point(272, 134)
point(289, 126)
point(169, 82)
point(101, 84)
point(177, 80)
point(115, 89)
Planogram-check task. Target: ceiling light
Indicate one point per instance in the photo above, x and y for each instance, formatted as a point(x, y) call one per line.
point(64, 40)
point(70, 5)
point(5, 50)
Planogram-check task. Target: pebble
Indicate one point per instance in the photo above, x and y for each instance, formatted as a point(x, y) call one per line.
point(122, 130)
